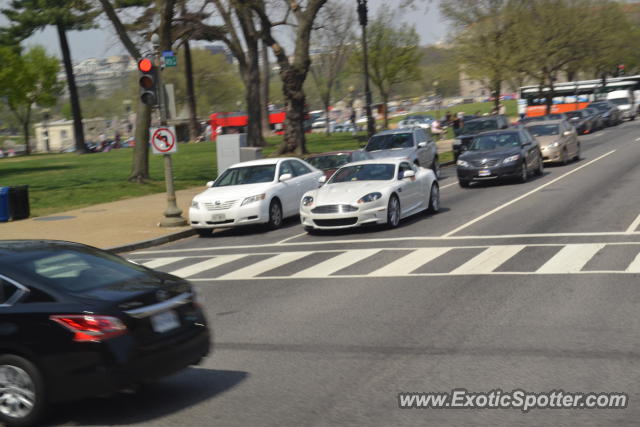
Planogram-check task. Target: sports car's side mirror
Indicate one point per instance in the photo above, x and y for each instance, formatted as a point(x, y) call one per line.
point(408, 174)
point(210, 184)
point(285, 177)
point(322, 179)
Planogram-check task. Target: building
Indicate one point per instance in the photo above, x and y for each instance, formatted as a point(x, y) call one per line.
point(105, 74)
point(61, 135)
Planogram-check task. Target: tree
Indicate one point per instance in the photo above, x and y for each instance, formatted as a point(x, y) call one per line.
point(333, 38)
point(26, 81)
point(394, 56)
point(29, 16)
point(294, 68)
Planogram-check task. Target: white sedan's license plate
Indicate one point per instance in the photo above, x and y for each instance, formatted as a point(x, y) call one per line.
point(484, 172)
point(164, 322)
point(218, 218)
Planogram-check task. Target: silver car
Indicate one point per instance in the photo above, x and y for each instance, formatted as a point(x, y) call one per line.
point(558, 140)
point(415, 144)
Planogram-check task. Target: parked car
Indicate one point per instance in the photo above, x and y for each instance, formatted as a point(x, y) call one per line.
point(474, 127)
point(415, 144)
point(258, 192)
point(582, 121)
point(509, 153)
point(380, 191)
point(611, 115)
point(595, 116)
point(80, 322)
point(332, 161)
point(423, 122)
point(558, 140)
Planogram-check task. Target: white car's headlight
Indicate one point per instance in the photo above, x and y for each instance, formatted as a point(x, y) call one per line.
point(554, 144)
point(511, 159)
point(252, 199)
point(195, 204)
point(371, 197)
point(457, 142)
point(307, 201)
point(463, 163)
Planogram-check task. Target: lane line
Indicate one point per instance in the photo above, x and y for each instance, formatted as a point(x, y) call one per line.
point(162, 261)
point(634, 225)
point(409, 262)
point(634, 267)
point(517, 199)
point(206, 265)
point(281, 242)
point(337, 263)
point(570, 259)
point(399, 239)
point(637, 139)
point(448, 185)
point(265, 265)
point(488, 260)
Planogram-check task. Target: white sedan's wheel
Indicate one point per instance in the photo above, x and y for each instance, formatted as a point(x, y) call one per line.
point(393, 211)
point(434, 199)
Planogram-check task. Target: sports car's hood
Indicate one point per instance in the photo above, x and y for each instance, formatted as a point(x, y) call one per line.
point(232, 192)
point(346, 192)
point(385, 154)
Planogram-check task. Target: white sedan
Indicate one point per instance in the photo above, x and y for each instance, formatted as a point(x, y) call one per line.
point(258, 192)
point(381, 191)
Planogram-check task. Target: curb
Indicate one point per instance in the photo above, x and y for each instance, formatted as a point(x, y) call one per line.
point(153, 242)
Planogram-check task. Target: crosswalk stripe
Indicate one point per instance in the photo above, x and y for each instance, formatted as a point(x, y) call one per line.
point(409, 262)
point(336, 263)
point(206, 265)
point(156, 263)
point(488, 260)
point(570, 259)
point(265, 265)
point(634, 267)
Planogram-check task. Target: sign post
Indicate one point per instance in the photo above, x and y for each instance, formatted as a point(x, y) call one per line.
point(163, 141)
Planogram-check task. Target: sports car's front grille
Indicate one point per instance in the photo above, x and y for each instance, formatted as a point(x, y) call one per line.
point(335, 222)
point(219, 206)
point(332, 209)
point(486, 163)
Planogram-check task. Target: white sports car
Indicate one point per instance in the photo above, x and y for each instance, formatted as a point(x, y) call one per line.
point(258, 192)
point(381, 191)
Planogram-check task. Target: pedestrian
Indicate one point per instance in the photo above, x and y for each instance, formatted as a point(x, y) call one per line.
point(103, 142)
point(448, 118)
point(436, 129)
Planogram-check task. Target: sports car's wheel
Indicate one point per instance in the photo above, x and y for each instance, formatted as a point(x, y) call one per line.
point(204, 232)
point(393, 211)
point(524, 173)
point(434, 198)
point(275, 215)
point(22, 401)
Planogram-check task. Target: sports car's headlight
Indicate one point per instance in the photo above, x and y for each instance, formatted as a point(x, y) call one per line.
point(554, 144)
point(307, 201)
point(370, 198)
point(463, 163)
point(195, 205)
point(511, 159)
point(252, 199)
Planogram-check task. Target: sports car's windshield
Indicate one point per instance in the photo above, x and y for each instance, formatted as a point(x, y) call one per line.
point(390, 142)
point(246, 175)
point(495, 142)
point(331, 161)
point(368, 172)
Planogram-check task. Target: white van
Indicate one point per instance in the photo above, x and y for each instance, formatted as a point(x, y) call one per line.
point(625, 101)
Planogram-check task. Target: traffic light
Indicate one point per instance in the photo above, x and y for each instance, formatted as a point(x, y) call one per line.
point(148, 81)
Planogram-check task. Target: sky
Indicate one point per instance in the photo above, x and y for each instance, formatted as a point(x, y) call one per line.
point(102, 42)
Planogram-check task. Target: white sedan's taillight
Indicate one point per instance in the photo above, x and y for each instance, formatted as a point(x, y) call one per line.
point(90, 328)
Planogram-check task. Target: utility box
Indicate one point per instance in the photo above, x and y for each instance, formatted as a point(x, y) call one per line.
point(4, 204)
point(228, 149)
point(19, 202)
point(250, 153)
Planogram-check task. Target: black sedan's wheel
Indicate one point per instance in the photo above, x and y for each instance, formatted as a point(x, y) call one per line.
point(463, 183)
point(540, 168)
point(393, 211)
point(275, 215)
point(434, 198)
point(22, 400)
point(524, 173)
point(204, 232)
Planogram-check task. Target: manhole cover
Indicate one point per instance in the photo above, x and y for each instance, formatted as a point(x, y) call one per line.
point(54, 218)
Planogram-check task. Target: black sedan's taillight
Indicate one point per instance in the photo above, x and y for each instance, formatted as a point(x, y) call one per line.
point(91, 328)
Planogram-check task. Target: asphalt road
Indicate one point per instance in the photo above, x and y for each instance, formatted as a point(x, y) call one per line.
point(514, 286)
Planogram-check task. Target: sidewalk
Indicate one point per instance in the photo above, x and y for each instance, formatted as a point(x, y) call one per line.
point(107, 225)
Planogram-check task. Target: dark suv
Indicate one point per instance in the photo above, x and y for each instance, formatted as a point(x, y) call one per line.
point(474, 127)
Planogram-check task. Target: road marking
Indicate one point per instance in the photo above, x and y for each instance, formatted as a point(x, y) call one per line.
point(570, 259)
point(156, 263)
point(409, 262)
point(265, 265)
point(634, 225)
point(634, 267)
point(282, 242)
point(206, 265)
point(637, 139)
point(517, 199)
point(337, 263)
point(448, 185)
point(488, 260)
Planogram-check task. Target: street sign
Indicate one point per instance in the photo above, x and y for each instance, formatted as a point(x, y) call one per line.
point(169, 58)
point(163, 140)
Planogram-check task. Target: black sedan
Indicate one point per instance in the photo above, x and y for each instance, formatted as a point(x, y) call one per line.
point(584, 121)
point(474, 127)
point(511, 153)
point(77, 322)
point(610, 113)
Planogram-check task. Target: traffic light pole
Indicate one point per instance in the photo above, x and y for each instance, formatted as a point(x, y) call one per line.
point(362, 14)
point(172, 214)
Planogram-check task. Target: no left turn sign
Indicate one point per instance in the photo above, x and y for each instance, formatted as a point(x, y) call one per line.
point(163, 140)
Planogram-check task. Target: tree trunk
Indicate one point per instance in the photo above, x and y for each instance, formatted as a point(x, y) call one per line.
point(264, 89)
point(78, 129)
point(294, 137)
point(253, 98)
point(25, 130)
point(550, 95)
point(385, 100)
point(497, 87)
point(140, 165)
point(194, 126)
point(326, 114)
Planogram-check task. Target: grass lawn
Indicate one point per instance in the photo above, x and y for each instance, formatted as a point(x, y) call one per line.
point(59, 182)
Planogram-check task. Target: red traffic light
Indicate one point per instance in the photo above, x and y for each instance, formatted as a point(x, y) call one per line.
point(145, 65)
